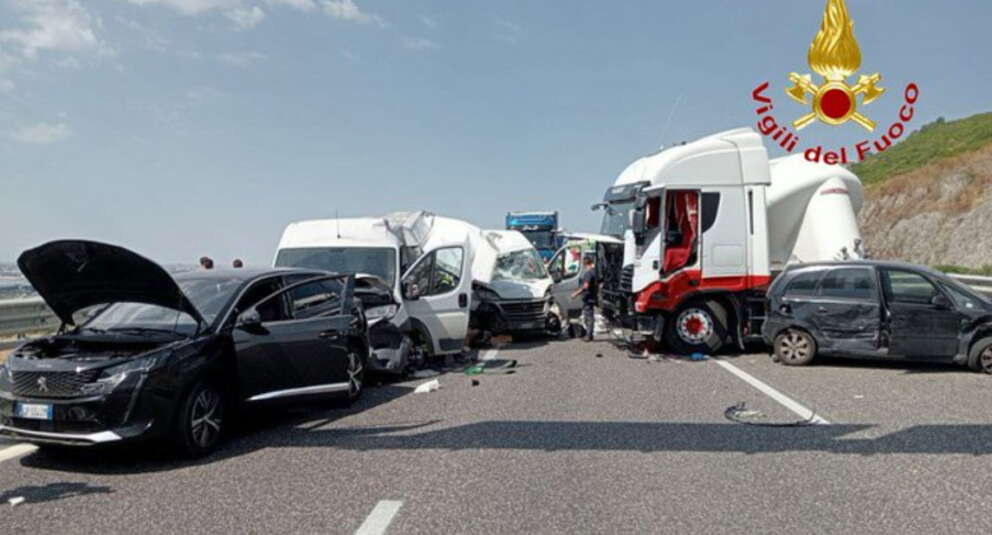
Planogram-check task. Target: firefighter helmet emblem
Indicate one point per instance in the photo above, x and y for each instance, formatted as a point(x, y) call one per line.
point(835, 55)
point(42, 384)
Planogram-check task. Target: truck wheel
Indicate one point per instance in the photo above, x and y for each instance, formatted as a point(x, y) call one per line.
point(980, 356)
point(794, 347)
point(697, 327)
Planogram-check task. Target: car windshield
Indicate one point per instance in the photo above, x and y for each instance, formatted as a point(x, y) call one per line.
point(616, 219)
point(378, 261)
point(541, 239)
point(519, 265)
point(209, 295)
point(964, 296)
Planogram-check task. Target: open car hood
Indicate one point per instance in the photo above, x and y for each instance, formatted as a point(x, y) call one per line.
point(71, 275)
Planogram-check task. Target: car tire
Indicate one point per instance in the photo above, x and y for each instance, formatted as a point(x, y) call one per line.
point(794, 347)
point(200, 424)
point(356, 375)
point(980, 356)
point(697, 327)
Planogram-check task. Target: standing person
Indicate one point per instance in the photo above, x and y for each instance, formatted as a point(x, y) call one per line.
point(206, 262)
point(589, 290)
point(238, 263)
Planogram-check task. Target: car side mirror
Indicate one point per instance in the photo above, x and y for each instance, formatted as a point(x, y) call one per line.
point(940, 302)
point(250, 321)
point(411, 291)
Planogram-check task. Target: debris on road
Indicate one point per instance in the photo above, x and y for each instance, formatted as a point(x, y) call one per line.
point(475, 382)
point(739, 413)
point(17, 500)
point(475, 370)
point(425, 374)
point(428, 387)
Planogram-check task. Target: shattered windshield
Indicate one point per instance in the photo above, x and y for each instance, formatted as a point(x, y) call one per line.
point(616, 219)
point(519, 265)
point(378, 261)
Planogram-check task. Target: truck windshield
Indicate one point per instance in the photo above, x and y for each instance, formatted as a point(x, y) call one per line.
point(378, 261)
point(616, 219)
point(541, 239)
point(519, 265)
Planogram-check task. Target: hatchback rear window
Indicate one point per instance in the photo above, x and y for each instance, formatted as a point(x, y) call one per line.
point(803, 284)
point(848, 283)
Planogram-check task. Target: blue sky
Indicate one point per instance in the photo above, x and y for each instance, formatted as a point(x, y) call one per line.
point(189, 127)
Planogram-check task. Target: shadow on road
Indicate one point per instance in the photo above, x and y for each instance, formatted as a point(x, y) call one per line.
point(257, 428)
point(52, 492)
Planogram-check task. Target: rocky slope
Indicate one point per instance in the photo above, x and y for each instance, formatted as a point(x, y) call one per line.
point(937, 214)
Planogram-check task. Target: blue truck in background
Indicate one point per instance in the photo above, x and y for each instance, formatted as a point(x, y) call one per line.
point(541, 228)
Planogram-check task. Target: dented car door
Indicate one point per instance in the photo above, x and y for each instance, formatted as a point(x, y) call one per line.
point(846, 310)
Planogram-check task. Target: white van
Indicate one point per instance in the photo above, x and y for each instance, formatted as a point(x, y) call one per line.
point(425, 259)
point(512, 285)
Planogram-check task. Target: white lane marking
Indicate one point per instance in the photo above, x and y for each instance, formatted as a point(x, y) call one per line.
point(380, 517)
point(489, 354)
point(781, 398)
point(17, 450)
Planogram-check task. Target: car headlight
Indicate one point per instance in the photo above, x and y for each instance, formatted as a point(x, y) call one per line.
point(379, 312)
point(111, 377)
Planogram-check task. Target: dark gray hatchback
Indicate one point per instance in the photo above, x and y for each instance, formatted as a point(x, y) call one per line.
point(881, 310)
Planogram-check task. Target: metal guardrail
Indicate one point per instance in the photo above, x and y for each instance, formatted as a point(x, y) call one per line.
point(20, 317)
point(976, 282)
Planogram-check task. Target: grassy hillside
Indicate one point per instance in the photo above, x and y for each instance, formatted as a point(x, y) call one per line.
point(937, 140)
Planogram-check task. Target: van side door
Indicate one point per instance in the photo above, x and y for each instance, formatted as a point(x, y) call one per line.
point(564, 268)
point(437, 292)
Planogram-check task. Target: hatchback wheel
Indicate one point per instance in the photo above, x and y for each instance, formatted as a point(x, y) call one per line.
point(200, 425)
point(980, 357)
point(795, 348)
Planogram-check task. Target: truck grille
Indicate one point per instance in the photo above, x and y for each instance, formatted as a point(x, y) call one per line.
point(52, 384)
point(528, 310)
point(627, 278)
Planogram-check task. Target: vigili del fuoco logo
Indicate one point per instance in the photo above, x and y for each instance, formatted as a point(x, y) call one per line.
point(835, 56)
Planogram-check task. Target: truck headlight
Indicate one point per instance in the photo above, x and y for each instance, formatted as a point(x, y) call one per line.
point(115, 375)
point(381, 312)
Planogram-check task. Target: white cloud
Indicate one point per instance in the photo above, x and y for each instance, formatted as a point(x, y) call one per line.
point(241, 59)
point(6, 86)
point(430, 22)
point(41, 133)
point(246, 18)
point(419, 43)
point(349, 55)
point(347, 10)
point(55, 25)
point(508, 31)
point(191, 7)
point(302, 5)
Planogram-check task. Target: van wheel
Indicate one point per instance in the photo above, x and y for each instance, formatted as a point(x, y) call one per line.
point(200, 425)
point(697, 327)
point(794, 347)
point(980, 356)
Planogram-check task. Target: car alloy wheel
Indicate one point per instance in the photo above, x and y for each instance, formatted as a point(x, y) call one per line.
point(356, 374)
point(985, 360)
point(694, 325)
point(794, 348)
point(206, 416)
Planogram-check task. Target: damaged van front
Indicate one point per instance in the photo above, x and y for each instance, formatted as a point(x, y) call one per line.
point(512, 286)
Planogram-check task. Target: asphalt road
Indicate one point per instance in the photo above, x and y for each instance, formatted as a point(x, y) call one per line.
point(570, 442)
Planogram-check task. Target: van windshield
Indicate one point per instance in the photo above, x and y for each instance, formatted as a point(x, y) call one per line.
point(519, 265)
point(378, 261)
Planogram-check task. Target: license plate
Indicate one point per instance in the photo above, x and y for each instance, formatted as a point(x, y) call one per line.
point(34, 411)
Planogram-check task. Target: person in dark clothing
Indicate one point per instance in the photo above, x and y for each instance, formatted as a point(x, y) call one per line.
point(589, 290)
point(206, 262)
point(238, 263)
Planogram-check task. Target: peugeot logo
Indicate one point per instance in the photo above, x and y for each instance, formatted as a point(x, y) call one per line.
point(42, 384)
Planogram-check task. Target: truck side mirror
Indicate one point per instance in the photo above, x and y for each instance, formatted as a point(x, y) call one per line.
point(638, 221)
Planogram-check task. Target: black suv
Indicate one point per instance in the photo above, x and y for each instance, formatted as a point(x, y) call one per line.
point(872, 309)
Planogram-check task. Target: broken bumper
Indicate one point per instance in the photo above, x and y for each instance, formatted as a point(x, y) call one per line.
point(521, 315)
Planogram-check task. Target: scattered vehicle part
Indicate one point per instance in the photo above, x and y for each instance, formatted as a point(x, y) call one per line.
point(16, 500)
point(740, 414)
point(425, 374)
point(172, 357)
point(705, 225)
point(428, 387)
point(877, 310)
